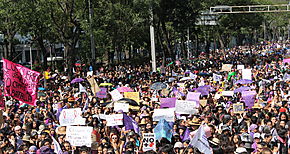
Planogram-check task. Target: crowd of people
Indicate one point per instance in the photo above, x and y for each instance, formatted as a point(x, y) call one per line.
point(261, 127)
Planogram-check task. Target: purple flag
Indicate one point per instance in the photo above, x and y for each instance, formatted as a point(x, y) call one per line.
point(130, 123)
point(249, 98)
point(186, 135)
point(204, 90)
point(167, 102)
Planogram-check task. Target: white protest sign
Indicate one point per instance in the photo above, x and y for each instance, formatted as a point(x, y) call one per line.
point(240, 67)
point(227, 67)
point(121, 106)
point(149, 142)
point(228, 93)
point(167, 114)
point(90, 73)
point(70, 117)
point(185, 107)
point(247, 74)
point(79, 135)
point(114, 119)
point(116, 95)
point(82, 88)
point(217, 77)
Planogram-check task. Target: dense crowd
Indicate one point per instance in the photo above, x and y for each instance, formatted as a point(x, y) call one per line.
point(262, 126)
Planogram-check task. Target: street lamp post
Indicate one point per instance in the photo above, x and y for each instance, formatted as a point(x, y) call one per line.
point(30, 50)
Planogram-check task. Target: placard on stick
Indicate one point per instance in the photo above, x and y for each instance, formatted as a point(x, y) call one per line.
point(238, 108)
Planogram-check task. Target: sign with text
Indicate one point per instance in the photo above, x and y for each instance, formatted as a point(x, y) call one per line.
point(79, 135)
point(227, 67)
point(116, 95)
point(114, 119)
point(167, 114)
point(185, 107)
point(217, 77)
point(238, 108)
point(102, 93)
point(70, 117)
point(247, 74)
point(193, 96)
point(20, 82)
point(149, 142)
point(121, 106)
point(228, 93)
point(132, 95)
point(240, 67)
point(167, 102)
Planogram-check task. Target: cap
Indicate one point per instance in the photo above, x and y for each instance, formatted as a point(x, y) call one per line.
point(257, 135)
point(240, 150)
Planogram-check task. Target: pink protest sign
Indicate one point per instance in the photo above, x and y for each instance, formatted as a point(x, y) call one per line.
point(167, 102)
point(20, 82)
point(286, 60)
point(102, 93)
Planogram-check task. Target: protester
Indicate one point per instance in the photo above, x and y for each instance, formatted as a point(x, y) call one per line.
point(225, 107)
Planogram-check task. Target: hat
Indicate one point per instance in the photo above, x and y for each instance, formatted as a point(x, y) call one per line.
point(143, 122)
point(61, 130)
point(257, 106)
point(33, 148)
point(257, 135)
point(17, 128)
point(71, 99)
point(240, 150)
point(253, 126)
point(178, 145)
point(214, 141)
point(226, 128)
point(194, 122)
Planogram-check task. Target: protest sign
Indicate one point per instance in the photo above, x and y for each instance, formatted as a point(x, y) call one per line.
point(114, 119)
point(121, 106)
point(94, 86)
point(247, 74)
point(167, 114)
point(90, 73)
point(227, 67)
point(149, 142)
point(20, 82)
point(193, 96)
point(116, 95)
point(203, 102)
point(228, 93)
point(71, 117)
point(249, 98)
point(240, 67)
point(286, 60)
point(79, 135)
point(167, 102)
point(217, 77)
point(238, 108)
point(82, 88)
point(102, 93)
point(132, 95)
point(185, 107)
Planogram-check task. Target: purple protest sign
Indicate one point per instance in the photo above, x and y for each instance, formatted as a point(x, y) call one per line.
point(249, 98)
point(167, 102)
point(102, 93)
point(193, 96)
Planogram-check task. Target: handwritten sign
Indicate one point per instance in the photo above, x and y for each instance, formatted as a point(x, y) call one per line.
point(227, 67)
point(247, 74)
point(240, 67)
point(167, 114)
point(116, 95)
point(185, 107)
point(121, 106)
point(238, 108)
point(114, 119)
point(149, 142)
point(167, 102)
point(79, 135)
point(102, 93)
point(20, 82)
point(217, 77)
point(132, 95)
point(70, 117)
point(228, 93)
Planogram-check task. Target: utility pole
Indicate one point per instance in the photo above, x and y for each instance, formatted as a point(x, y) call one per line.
point(153, 55)
point(93, 50)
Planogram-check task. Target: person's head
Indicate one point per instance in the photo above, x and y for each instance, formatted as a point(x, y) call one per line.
point(17, 130)
point(67, 146)
point(267, 138)
point(32, 150)
point(84, 150)
point(266, 151)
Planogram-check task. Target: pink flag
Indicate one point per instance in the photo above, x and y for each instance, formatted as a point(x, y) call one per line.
point(20, 82)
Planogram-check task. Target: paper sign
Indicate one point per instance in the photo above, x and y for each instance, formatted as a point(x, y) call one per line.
point(79, 135)
point(100, 116)
point(185, 107)
point(217, 77)
point(247, 74)
point(228, 93)
point(20, 82)
point(132, 95)
point(203, 102)
point(116, 95)
point(167, 102)
point(114, 119)
point(149, 142)
point(193, 96)
point(90, 73)
point(121, 106)
point(167, 114)
point(238, 108)
point(240, 67)
point(102, 93)
point(227, 67)
point(70, 117)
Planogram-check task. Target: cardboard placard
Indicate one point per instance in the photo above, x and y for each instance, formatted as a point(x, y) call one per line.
point(149, 142)
point(238, 108)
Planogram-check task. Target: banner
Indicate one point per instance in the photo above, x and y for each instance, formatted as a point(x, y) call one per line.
point(167, 102)
point(149, 142)
point(79, 135)
point(70, 117)
point(116, 95)
point(247, 74)
point(121, 106)
point(114, 119)
point(102, 93)
point(227, 67)
point(167, 114)
point(132, 95)
point(185, 107)
point(238, 108)
point(20, 82)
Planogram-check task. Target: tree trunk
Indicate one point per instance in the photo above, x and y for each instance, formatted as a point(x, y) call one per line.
point(44, 52)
